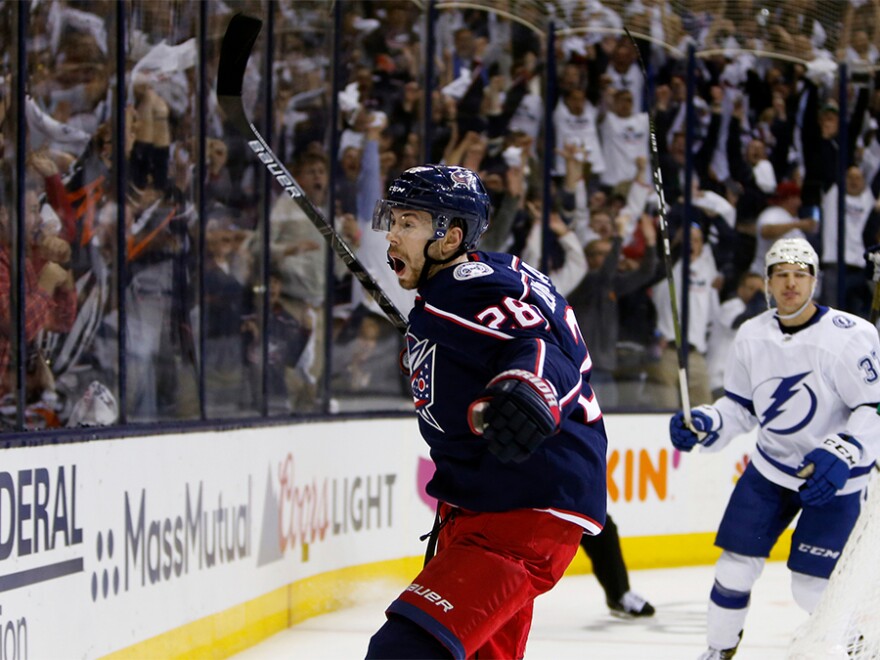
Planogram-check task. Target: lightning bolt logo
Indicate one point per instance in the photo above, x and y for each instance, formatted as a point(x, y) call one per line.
point(786, 390)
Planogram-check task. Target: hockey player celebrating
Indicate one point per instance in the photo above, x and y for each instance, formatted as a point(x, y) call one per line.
point(499, 375)
point(809, 377)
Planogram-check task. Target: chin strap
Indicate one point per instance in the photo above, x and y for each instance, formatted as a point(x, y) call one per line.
point(430, 261)
point(793, 315)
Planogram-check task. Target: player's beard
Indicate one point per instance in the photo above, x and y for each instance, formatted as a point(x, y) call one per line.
point(408, 269)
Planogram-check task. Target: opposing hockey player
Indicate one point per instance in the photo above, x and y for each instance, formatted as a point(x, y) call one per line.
point(500, 381)
point(809, 377)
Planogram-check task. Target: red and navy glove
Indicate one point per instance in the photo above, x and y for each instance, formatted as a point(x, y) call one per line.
point(515, 413)
point(827, 467)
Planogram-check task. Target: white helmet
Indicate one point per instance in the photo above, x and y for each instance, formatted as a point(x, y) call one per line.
point(792, 251)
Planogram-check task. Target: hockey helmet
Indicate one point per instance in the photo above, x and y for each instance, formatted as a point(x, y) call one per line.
point(446, 192)
point(792, 251)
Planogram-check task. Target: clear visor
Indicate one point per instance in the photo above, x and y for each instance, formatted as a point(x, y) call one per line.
point(382, 215)
point(383, 218)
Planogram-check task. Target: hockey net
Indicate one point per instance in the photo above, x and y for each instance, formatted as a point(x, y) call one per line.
point(846, 623)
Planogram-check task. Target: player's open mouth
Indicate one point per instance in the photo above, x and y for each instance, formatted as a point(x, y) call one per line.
point(397, 265)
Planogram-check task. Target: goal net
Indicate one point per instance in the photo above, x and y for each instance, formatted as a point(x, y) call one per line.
point(846, 624)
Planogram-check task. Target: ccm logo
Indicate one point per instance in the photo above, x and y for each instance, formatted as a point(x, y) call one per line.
point(430, 596)
point(840, 449)
point(818, 552)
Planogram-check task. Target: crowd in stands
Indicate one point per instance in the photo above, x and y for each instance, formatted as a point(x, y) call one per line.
point(766, 160)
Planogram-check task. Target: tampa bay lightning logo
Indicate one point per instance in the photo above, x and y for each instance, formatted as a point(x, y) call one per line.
point(421, 362)
point(843, 322)
point(789, 404)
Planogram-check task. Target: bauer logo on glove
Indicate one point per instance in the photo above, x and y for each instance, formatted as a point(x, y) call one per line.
point(515, 414)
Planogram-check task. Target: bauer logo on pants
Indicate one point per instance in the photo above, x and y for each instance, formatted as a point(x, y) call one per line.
point(430, 595)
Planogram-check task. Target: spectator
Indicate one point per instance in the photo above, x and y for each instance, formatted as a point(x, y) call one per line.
point(779, 220)
point(859, 203)
point(749, 301)
point(624, 137)
point(623, 72)
point(149, 157)
point(161, 369)
point(224, 297)
point(594, 300)
point(574, 123)
point(366, 336)
point(219, 182)
point(662, 376)
point(50, 301)
point(287, 340)
point(298, 251)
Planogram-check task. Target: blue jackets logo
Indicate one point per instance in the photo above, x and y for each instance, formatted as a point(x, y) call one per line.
point(421, 362)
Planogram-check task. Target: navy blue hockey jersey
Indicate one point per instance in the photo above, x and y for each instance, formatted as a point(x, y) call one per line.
point(471, 322)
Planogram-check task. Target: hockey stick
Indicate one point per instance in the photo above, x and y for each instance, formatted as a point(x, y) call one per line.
point(872, 256)
point(657, 176)
point(241, 34)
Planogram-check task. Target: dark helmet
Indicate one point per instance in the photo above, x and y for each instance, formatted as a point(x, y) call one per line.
point(446, 193)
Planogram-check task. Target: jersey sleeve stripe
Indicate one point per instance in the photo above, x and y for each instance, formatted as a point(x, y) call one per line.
point(745, 403)
point(592, 411)
point(587, 364)
point(540, 356)
point(470, 325)
point(570, 395)
point(527, 289)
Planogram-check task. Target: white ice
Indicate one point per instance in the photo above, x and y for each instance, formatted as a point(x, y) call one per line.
point(571, 621)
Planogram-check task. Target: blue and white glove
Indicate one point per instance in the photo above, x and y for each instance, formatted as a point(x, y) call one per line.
point(827, 467)
point(683, 438)
point(516, 412)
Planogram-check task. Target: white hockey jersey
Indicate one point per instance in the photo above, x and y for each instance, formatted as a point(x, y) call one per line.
point(799, 389)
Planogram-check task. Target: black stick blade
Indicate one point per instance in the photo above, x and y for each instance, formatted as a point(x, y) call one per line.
point(241, 34)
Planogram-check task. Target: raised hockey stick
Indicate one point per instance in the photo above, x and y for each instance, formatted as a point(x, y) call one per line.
point(657, 176)
point(872, 256)
point(241, 34)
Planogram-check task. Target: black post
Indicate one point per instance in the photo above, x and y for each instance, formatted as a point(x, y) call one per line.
point(430, 45)
point(19, 235)
point(550, 93)
point(120, 164)
point(201, 173)
point(842, 162)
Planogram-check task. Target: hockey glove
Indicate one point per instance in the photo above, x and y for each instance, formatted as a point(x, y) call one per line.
point(827, 467)
point(515, 413)
point(684, 438)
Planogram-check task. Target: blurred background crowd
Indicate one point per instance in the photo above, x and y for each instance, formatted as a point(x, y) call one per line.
point(151, 272)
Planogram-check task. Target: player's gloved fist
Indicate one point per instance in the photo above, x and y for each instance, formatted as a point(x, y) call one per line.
point(515, 413)
point(827, 467)
point(704, 430)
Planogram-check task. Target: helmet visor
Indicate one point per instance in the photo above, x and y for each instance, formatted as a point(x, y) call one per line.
point(384, 219)
point(382, 215)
